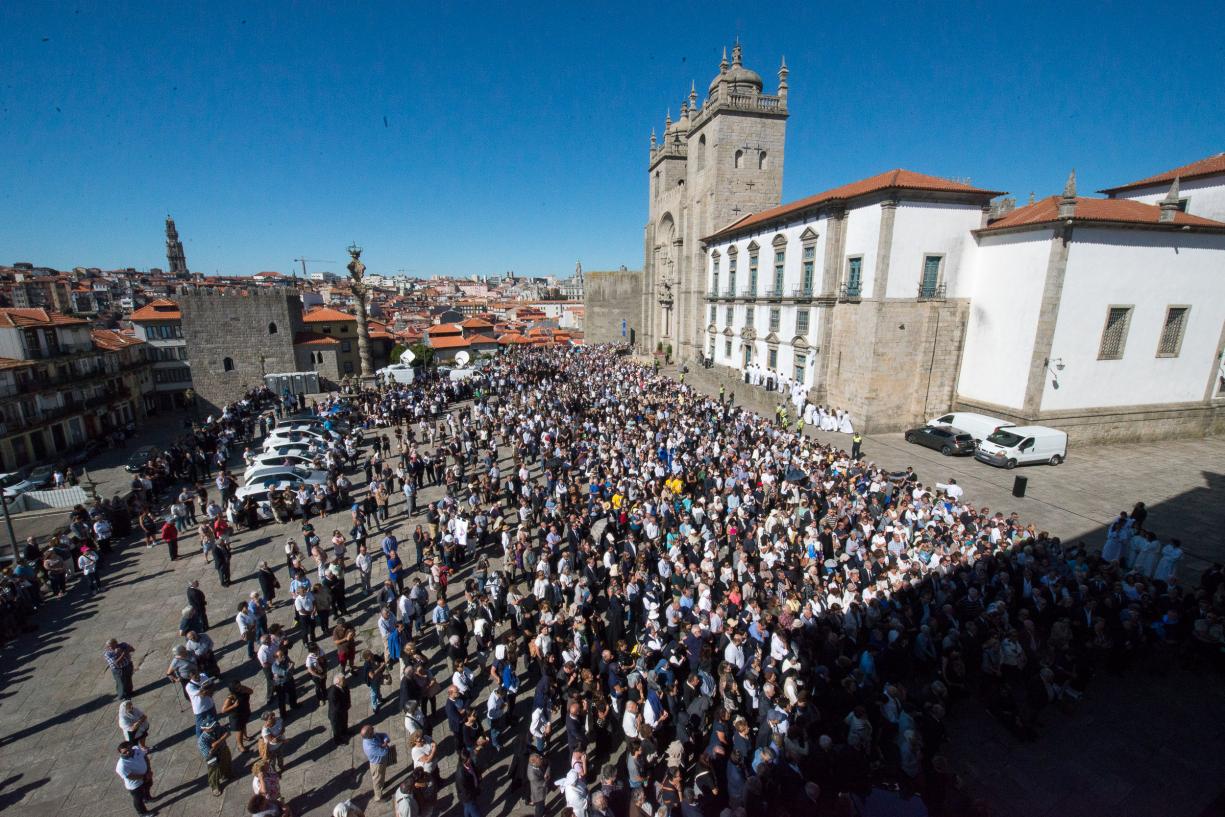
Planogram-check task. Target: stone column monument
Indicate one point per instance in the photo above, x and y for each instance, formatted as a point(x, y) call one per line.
point(357, 271)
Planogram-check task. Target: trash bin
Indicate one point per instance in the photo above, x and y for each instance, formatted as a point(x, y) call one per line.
point(1018, 486)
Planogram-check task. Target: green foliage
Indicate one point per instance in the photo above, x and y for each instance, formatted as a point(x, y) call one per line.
point(423, 355)
point(396, 352)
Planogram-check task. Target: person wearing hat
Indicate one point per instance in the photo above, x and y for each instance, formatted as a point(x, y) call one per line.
point(215, 749)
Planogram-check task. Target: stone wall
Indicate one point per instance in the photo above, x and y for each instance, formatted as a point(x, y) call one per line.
point(231, 343)
point(609, 299)
point(893, 364)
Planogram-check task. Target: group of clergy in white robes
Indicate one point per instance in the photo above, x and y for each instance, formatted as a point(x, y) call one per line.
point(1141, 551)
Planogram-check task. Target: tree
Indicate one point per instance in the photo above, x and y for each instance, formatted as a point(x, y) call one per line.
point(423, 354)
point(396, 352)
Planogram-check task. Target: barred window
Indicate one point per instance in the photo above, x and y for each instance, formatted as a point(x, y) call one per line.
point(1114, 335)
point(1172, 331)
point(727, 316)
point(775, 320)
point(801, 322)
point(750, 316)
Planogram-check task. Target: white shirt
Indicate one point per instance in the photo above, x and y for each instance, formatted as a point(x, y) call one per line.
point(134, 766)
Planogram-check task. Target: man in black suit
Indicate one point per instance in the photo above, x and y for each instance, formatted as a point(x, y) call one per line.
point(468, 784)
point(338, 709)
point(195, 597)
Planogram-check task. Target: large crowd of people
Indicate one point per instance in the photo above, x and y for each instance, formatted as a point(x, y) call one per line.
point(644, 600)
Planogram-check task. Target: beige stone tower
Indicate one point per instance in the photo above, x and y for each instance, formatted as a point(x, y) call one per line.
point(718, 162)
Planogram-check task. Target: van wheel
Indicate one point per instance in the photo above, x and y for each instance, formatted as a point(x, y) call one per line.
point(946, 451)
point(1010, 464)
point(1056, 459)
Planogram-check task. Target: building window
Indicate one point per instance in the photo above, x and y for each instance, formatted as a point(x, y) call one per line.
point(346, 345)
point(344, 328)
point(854, 276)
point(727, 316)
point(763, 161)
point(272, 328)
point(775, 319)
point(739, 161)
point(712, 313)
point(810, 256)
point(327, 330)
point(731, 276)
point(798, 369)
point(727, 348)
point(1173, 330)
point(714, 286)
point(1114, 335)
point(749, 315)
point(930, 284)
point(227, 365)
point(348, 367)
point(780, 264)
point(701, 163)
point(753, 274)
point(801, 321)
point(772, 359)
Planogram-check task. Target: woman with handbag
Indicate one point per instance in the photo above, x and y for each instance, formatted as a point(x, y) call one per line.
point(133, 723)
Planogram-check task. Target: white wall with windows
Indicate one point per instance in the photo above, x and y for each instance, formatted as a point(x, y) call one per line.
point(1005, 302)
point(929, 240)
point(1162, 346)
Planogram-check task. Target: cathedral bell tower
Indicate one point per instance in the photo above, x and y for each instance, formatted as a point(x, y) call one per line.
point(175, 259)
point(721, 160)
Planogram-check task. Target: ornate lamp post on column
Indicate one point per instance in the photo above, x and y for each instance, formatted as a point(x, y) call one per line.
point(357, 271)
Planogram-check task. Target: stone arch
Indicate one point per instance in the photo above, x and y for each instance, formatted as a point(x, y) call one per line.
point(272, 328)
point(227, 364)
point(738, 162)
point(763, 161)
point(701, 162)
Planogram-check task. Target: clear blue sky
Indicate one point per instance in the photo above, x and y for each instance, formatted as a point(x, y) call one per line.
point(478, 139)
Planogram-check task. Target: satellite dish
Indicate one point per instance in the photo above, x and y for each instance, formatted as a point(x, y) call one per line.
point(462, 359)
point(407, 356)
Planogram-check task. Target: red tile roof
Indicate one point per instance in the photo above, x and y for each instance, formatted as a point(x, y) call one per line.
point(14, 316)
point(1210, 166)
point(314, 339)
point(1118, 211)
point(889, 180)
point(445, 329)
point(449, 342)
point(475, 323)
point(325, 314)
point(159, 309)
point(475, 339)
point(113, 341)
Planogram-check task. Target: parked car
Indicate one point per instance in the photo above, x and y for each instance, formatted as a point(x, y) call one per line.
point(980, 426)
point(140, 458)
point(945, 439)
point(85, 452)
point(302, 449)
point(271, 474)
point(41, 476)
point(15, 484)
point(319, 436)
point(262, 496)
point(304, 460)
point(1023, 445)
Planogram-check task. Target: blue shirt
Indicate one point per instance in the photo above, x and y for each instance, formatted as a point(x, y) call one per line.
point(376, 748)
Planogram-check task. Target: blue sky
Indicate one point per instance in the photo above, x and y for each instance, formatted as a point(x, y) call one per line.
point(473, 138)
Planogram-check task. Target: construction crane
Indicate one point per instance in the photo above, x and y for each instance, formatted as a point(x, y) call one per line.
point(304, 261)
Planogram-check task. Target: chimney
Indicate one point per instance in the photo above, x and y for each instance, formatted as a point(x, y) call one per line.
point(1169, 205)
point(1067, 202)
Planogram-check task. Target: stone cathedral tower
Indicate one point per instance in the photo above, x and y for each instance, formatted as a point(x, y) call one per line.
point(721, 160)
point(175, 258)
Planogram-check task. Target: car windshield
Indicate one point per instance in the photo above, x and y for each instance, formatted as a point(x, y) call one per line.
point(1005, 438)
point(10, 480)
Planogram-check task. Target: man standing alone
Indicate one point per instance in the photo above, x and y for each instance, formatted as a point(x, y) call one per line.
point(338, 709)
point(377, 747)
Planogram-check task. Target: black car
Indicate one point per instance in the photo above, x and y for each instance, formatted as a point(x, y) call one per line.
point(140, 458)
point(945, 439)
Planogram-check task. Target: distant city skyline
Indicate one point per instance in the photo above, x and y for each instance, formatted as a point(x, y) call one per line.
point(461, 143)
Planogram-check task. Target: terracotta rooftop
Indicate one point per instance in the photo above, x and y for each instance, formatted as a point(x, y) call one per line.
point(159, 309)
point(449, 342)
point(113, 341)
point(314, 339)
point(483, 339)
point(1117, 211)
point(476, 323)
point(890, 180)
point(17, 317)
point(325, 314)
point(1210, 166)
point(14, 363)
point(445, 329)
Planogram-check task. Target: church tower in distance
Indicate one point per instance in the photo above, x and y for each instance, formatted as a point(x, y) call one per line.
point(175, 258)
point(721, 160)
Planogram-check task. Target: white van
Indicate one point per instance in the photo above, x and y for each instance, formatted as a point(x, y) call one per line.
point(1022, 445)
point(980, 426)
point(400, 373)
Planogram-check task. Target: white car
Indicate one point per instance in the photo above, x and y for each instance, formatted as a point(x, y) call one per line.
point(272, 459)
point(271, 474)
point(262, 496)
point(15, 484)
point(301, 449)
point(318, 436)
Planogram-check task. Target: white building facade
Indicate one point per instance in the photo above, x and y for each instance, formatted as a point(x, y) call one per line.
point(904, 295)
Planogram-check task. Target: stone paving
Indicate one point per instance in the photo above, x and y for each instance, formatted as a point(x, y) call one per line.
point(1148, 743)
